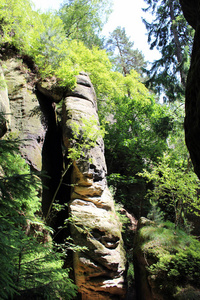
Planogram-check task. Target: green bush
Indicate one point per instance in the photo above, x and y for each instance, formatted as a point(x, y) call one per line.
point(173, 258)
point(31, 264)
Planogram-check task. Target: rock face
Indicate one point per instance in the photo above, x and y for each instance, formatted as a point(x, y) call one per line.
point(4, 105)
point(99, 270)
point(191, 10)
point(20, 104)
point(29, 112)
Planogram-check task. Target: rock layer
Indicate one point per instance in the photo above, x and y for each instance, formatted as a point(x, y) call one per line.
point(99, 270)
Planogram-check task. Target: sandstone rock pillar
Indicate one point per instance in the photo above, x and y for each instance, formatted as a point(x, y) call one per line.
point(99, 270)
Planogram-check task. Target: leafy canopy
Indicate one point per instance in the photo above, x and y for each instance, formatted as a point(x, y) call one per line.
point(137, 128)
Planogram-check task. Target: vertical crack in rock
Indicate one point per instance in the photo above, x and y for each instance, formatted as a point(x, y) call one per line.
point(31, 116)
point(52, 167)
point(99, 271)
point(51, 151)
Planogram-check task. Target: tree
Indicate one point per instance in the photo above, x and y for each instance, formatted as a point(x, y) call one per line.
point(174, 183)
point(137, 128)
point(84, 19)
point(124, 56)
point(175, 190)
point(32, 264)
point(172, 36)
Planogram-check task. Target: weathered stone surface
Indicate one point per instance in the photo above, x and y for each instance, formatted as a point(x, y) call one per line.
point(26, 118)
point(99, 270)
point(191, 11)
point(51, 89)
point(34, 123)
point(5, 118)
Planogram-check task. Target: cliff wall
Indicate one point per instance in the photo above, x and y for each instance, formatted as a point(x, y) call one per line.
point(191, 10)
point(47, 135)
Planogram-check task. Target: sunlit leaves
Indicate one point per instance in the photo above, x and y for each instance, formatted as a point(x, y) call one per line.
point(175, 189)
point(84, 19)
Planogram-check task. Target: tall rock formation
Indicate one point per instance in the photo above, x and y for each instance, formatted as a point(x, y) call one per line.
point(99, 270)
point(191, 10)
point(29, 110)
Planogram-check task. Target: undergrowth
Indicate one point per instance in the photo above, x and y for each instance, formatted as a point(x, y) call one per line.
point(173, 258)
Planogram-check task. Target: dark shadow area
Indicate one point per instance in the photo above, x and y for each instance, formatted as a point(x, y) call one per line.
point(52, 168)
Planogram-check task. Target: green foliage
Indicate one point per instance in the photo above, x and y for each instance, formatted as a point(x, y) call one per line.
point(83, 20)
point(38, 36)
point(46, 44)
point(55, 55)
point(173, 184)
point(16, 16)
point(85, 134)
point(31, 263)
point(155, 214)
point(136, 136)
point(43, 38)
point(172, 36)
point(175, 189)
point(130, 275)
point(173, 258)
point(49, 51)
point(40, 270)
point(127, 58)
point(13, 204)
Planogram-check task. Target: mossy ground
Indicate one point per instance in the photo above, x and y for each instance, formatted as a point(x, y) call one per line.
point(172, 260)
